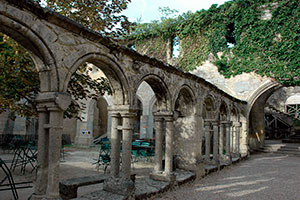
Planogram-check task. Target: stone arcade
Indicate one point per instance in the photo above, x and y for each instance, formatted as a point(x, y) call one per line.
point(185, 103)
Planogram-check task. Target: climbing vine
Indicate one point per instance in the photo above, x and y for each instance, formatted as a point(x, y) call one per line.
point(262, 36)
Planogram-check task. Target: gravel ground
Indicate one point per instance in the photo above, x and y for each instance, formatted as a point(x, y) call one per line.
point(261, 177)
point(77, 162)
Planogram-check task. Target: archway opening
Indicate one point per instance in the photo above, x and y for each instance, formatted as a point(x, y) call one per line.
point(186, 139)
point(19, 86)
point(208, 113)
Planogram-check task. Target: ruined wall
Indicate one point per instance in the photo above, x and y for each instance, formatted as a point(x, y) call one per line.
point(280, 96)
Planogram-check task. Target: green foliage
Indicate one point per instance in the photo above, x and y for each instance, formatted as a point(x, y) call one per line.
point(248, 42)
point(103, 16)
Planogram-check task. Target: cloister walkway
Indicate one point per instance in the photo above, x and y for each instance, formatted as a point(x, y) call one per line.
point(263, 176)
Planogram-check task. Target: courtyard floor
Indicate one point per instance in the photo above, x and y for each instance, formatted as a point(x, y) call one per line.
point(264, 176)
point(77, 162)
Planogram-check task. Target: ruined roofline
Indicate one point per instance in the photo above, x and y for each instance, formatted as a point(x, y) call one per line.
point(75, 27)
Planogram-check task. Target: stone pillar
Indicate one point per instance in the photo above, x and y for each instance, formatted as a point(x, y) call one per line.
point(42, 157)
point(228, 151)
point(221, 140)
point(127, 132)
point(207, 141)
point(237, 139)
point(216, 142)
point(158, 144)
point(55, 136)
point(115, 146)
point(51, 106)
point(232, 139)
point(169, 145)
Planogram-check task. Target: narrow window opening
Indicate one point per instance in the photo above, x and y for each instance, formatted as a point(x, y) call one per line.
point(230, 35)
point(176, 47)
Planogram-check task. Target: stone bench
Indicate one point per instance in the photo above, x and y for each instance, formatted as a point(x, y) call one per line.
point(68, 188)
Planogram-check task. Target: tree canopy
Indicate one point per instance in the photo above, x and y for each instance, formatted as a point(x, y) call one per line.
point(19, 80)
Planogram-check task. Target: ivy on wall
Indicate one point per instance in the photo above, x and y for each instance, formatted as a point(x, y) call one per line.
point(262, 36)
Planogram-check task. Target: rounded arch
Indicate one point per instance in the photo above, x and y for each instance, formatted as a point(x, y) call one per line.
point(17, 28)
point(160, 89)
point(255, 113)
point(223, 111)
point(264, 91)
point(112, 71)
point(234, 114)
point(209, 107)
point(184, 102)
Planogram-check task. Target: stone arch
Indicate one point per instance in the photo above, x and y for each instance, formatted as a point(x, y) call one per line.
point(187, 138)
point(20, 28)
point(160, 89)
point(209, 107)
point(263, 92)
point(234, 114)
point(185, 95)
point(112, 71)
point(224, 111)
point(255, 113)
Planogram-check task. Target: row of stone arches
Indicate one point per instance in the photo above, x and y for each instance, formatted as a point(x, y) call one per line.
point(58, 47)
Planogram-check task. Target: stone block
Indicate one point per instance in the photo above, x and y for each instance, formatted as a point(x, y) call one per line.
point(121, 186)
point(163, 177)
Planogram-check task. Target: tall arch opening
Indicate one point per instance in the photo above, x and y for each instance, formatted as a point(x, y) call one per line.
point(186, 137)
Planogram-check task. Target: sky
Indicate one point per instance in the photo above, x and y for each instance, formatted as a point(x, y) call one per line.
point(148, 11)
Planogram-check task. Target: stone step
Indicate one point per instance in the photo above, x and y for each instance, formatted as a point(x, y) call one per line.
point(288, 152)
point(290, 148)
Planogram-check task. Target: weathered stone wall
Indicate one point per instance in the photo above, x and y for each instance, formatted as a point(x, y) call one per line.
point(279, 97)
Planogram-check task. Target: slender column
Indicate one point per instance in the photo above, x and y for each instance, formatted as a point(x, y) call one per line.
point(126, 144)
point(228, 152)
point(207, 140)
point(115, 146)
point(232, 139)
point(221, 140)
point(237, 135)
point(169, 145)
point(158, 144)
point(42, 157)
point(55, 135)
point(216, 141)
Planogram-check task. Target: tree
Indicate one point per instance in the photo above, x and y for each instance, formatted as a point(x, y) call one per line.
point(19, 81)
point(102, 16)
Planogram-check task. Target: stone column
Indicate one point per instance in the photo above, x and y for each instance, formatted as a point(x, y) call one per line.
point(221, 140)
point(228, 151)
point(237, 139)
point(216, 142)
point(158, 144)
point(126, 144)
point(207, 140)
point(55, 136)
point(169, 145)
point(115, 146)
point(42, 157)
point(232, 139)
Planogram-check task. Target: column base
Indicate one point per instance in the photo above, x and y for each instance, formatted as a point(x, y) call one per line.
point(226, 159)
point(162, 176)
point(121, 186)
point(36, 197)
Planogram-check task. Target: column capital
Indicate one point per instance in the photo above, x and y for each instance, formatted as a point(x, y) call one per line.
point(207, 123)
point(61, 100)
point(237, 124)
point(227, 123)
point(215, 123)
point(128, 115)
